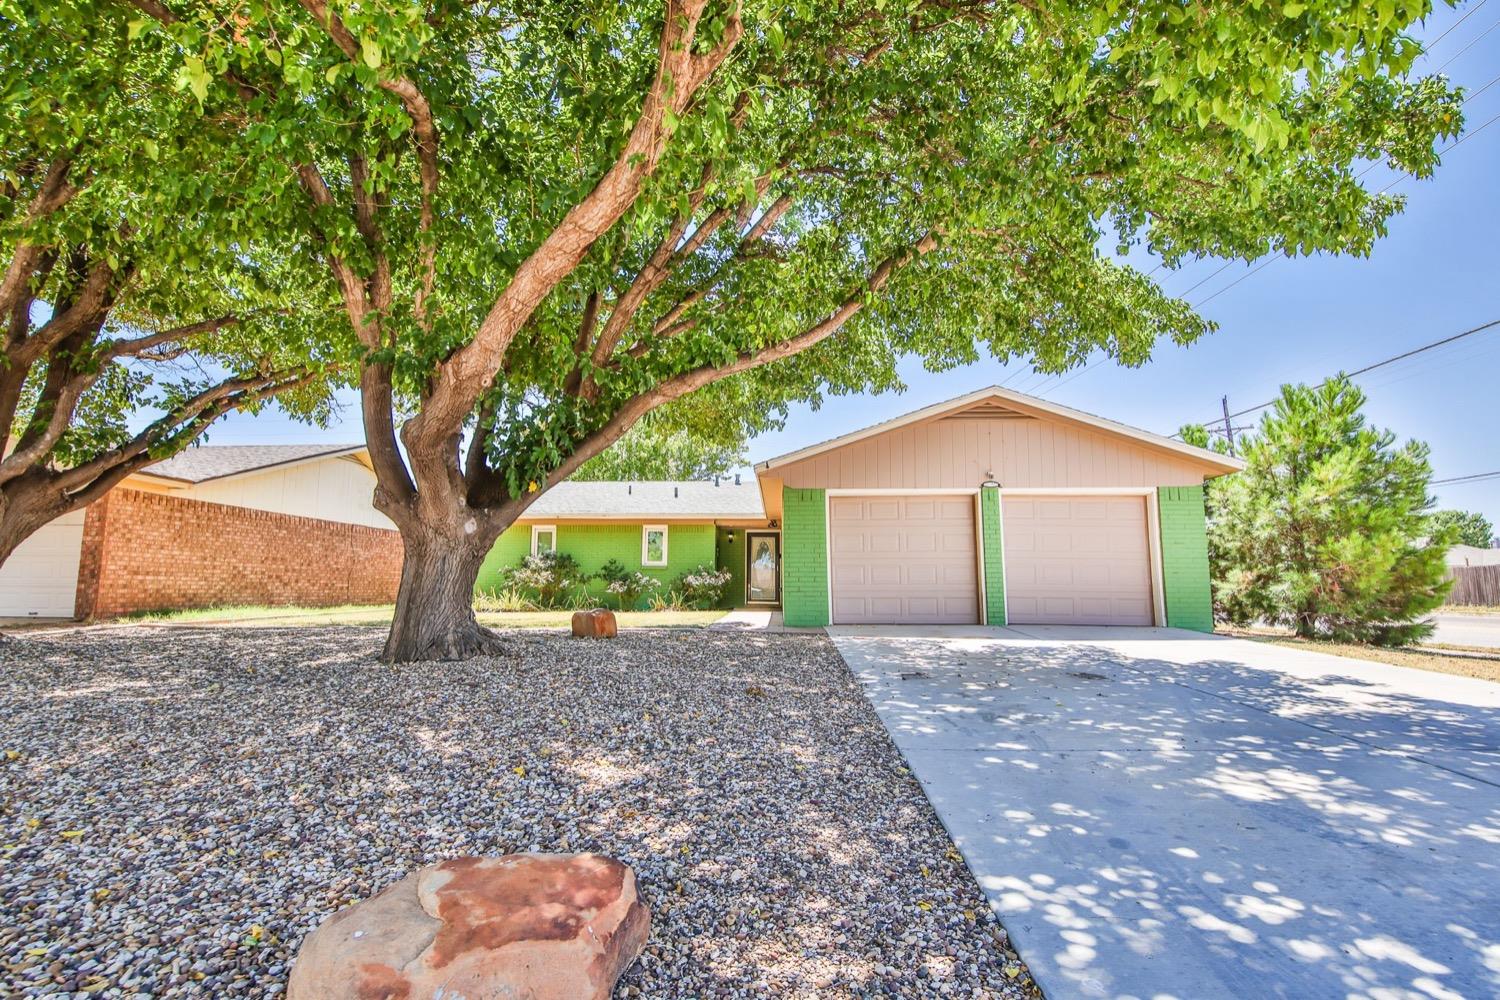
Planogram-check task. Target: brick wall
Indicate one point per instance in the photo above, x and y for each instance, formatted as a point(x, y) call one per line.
point(804, 557)
point(994, 559)
point(1184, 558)
point(147, 552)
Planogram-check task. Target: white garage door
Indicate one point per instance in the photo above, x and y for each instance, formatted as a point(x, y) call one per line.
point(40, 579)
point(1077, 560)
point(903, 559)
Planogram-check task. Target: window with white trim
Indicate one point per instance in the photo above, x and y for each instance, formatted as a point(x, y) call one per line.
point(653, 545)
point(543, 538)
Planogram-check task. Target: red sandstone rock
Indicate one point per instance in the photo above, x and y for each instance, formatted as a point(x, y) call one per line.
point(520, 927)
point(596, 624)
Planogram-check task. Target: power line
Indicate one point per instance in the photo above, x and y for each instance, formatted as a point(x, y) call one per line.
point(1379, 364)
point(1466, 48)
point(1475, 478)
point(1467, 14)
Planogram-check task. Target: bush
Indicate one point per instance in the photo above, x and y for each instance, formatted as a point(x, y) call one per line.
point(628, 589)
point(509, 599)
point(551, 577)
point(703, 587)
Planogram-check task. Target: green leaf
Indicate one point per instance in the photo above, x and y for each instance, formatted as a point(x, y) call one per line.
point(369, 51)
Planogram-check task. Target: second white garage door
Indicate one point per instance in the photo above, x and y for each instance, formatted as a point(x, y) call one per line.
point(903, 559)
point(1077, 560)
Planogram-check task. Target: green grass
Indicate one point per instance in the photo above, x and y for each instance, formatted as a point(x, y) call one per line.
point(380, 615)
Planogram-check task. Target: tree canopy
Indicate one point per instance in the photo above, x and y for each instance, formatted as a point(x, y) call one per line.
point(1327, 529)
point(647, 453)
point(546, 220)
point(138, 298)
point(1466, 526)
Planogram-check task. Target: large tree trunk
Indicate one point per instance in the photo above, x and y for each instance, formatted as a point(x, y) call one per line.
point(435, 605)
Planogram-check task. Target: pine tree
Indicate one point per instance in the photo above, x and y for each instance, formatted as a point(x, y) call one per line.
point(1328, 528)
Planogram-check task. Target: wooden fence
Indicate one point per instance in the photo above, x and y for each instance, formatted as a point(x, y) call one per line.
point(1475, 585)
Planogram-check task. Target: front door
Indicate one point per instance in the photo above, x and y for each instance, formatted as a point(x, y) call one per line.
point(763, 569)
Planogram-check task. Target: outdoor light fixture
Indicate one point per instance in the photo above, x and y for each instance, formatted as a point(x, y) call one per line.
point(729, 537)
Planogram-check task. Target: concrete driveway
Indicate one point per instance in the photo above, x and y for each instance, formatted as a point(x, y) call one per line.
point(1160, 814)
point(1468, 630)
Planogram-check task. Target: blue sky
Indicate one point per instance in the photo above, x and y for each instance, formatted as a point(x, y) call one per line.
point(1293, 320)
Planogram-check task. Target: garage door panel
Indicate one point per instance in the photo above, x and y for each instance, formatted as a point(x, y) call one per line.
point(919, 542)
point(1077, 560)
point(904, 559)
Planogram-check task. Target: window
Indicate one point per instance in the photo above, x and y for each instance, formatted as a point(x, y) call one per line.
point(653, 545)
point(543, 538)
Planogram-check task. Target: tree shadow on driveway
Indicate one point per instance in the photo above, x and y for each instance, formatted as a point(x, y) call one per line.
point(1209, 818)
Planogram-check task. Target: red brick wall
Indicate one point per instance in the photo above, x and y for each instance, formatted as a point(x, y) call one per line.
point(148, 552)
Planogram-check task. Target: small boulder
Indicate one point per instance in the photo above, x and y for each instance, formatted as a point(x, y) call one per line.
point(596, 624)
point(518, 927)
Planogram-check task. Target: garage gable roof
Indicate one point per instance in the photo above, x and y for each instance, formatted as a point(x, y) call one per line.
point(995, 397)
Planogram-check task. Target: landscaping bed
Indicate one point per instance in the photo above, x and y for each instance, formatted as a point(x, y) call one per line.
point(178, 807)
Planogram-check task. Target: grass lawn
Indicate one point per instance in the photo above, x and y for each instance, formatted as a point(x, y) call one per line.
point(380, 614)
point(1483, 664)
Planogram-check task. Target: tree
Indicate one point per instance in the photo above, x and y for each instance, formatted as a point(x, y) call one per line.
point(136, 308)
point(644, 454)
point(547, 220)
point(1327, 529)
point(1467, 527)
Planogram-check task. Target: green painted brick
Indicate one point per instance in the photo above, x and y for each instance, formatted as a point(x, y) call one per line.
point(1184, 558)
point(688, 547)
point(804, 557)
point(730, 549)
point(994, 563)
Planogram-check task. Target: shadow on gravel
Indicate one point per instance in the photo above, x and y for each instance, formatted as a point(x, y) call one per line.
point(183, 805)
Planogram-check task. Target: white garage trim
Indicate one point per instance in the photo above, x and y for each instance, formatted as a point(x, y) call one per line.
point(984, 611)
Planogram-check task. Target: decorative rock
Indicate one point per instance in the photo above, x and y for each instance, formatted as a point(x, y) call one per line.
point(518, 927)
point(596, 624)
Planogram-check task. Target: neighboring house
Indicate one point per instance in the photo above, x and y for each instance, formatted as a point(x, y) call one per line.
point(1472, 555)
point(994, 508)
point(215, 525)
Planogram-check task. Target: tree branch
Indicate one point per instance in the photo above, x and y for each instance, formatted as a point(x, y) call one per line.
point(424, 128)
point(686, 382)
point(136, 345)
point(191, 416)
point(467, 373)
point(55, 192)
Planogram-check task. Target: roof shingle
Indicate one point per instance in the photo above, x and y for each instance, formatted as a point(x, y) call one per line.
point(215, 461)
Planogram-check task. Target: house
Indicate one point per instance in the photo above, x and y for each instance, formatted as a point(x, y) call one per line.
point(995, 507)
point(215, 525)
point(992, 508)
point(1472, 555)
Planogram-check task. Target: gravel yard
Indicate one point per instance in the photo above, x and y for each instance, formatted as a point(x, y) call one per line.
point(179, 806)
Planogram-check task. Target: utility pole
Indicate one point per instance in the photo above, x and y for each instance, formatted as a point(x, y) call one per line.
point(1228, 427)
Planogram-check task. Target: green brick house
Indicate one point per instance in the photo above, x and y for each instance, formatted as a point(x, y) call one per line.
point(993, 508)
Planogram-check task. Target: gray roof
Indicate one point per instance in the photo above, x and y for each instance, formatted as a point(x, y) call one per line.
point(215, 461)
point(645, 500)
